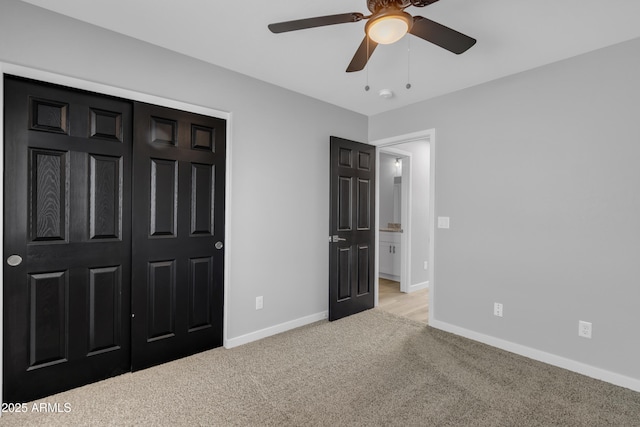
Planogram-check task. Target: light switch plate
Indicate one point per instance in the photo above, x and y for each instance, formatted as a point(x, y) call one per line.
point(443, 222)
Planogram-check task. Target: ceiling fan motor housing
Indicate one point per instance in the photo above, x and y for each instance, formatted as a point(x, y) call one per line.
point(377, 5)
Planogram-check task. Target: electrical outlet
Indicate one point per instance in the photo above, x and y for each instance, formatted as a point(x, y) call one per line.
point(497, 309)
point(426, 265)
point(259, 303)
point(584, 329)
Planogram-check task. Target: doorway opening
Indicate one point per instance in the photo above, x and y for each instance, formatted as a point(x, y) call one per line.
point(404, 215)
point(394, 206)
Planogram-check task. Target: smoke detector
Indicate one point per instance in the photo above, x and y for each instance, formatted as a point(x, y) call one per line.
point(386, 93)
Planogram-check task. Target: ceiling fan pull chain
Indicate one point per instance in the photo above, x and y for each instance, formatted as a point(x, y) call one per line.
point(366, 88)
point(408, 86)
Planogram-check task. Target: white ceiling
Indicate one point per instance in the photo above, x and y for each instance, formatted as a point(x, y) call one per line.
point(513, 36)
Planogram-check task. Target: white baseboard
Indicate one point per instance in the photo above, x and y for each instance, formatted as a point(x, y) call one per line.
point(389, 276)
point(542, 356)
point(418, 286)
point(273, 330)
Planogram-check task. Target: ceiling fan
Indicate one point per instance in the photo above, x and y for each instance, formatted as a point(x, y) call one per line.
point(387, 24)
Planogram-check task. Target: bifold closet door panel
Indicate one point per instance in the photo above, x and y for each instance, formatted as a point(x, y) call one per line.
point(67, 228)
point(178, 234)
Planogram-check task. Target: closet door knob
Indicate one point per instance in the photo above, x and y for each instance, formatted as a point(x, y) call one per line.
point(218, 245)
point(14, 260)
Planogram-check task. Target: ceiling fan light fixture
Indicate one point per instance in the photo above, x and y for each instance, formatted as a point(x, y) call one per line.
point(389, 26)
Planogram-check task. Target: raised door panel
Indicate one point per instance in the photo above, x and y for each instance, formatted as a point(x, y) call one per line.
point(48, 190)
point(200, 293)
point(364, 268)
point(48, 319)
point(49, 115)
point(345, 273)
point(364, 213)
point(105, 197)
point(105, 309)
point(345, 203)
point(364, 160)
point(106, 125)
point(162, 300)
point(345, 157)
point(203, 138)
point(164, 131)
point(163, 198)
point(202, 199)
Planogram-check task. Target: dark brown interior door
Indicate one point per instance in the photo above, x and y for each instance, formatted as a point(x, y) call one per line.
point(352, 233)
point(67, 213)
point(178, 234)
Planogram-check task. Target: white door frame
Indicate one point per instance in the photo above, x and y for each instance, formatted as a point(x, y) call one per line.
point(423, 135)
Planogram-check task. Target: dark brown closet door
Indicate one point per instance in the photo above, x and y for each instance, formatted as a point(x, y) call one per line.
point(178, 234)
point(67, 239)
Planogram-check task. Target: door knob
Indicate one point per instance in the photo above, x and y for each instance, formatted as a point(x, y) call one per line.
point(14, 260)
point(218, 245)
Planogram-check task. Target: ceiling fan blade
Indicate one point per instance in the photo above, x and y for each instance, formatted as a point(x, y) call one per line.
point(440, 35)
point(421, 3)
point(320, 21)
point(362, 55)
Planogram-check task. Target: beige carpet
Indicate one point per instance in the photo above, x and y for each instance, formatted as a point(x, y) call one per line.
point(326, 374)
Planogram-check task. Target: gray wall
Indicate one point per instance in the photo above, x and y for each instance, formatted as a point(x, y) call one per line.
point(539, 173)
point(386, 174)
point(280, 153)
